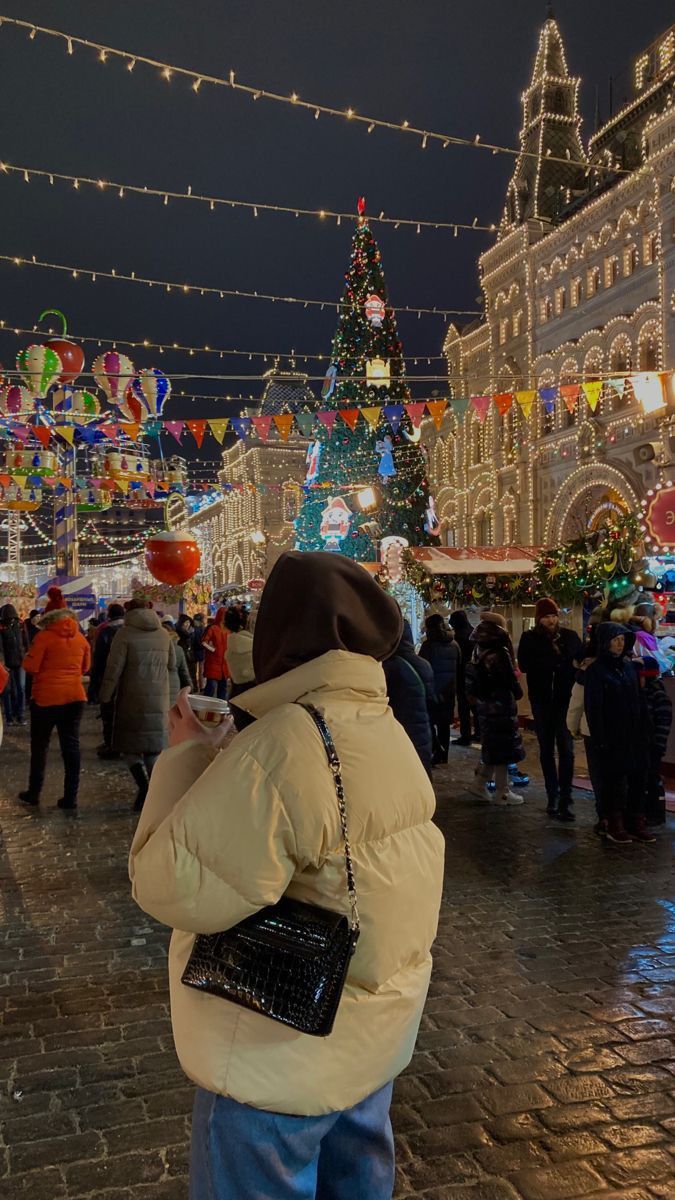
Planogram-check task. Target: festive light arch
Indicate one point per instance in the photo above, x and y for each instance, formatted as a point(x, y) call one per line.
point(584, 479)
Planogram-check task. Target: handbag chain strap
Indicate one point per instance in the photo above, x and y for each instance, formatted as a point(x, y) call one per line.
point(336, 768)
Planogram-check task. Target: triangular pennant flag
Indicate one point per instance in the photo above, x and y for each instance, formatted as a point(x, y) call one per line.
point(19, 480)
point(109, 431)
point(218, 427)
point(66, 481)
point(130, 429)
point(262, 426)
point(547, 396)
point(481, 405)
point(526, 400)
point(328, 418)
point(241, 426)
point(153, 427)
point(42, 433)
point(503, 401)
point(284, 424)
point(197, 429)
point(122, 485)
point(649, 390)
point(592, 391)
point(150, 486)
point(619, 384)
point(350, 417)
point(460, 407)
point(393, 414)
point(416, 412)
point(570, 394)
point(88, 434)
point(175, 428)
point(67, 432)
point(22, 432)
point(305, 423)
point(436, 410)
point(372, 415)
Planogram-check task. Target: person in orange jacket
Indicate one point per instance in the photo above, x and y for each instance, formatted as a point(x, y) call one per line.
point(216, 670)
point(58, 658)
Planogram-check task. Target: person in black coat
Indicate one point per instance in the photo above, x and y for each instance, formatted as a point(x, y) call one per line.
point(443, 655)
point(463, 630)
point(547, 656)
point(660, 718)
point(410, 688)
point(14, 647)
point(618, 735)
point(104, 640)
point(493, 686)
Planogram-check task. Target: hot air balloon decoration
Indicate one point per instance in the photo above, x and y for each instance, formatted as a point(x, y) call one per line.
point(70, 355)
point(152, 389)
point(78, 401)
point(15, 399)
point(172, 556)
point(131, 408)
point(112, 372)
point(39, 367)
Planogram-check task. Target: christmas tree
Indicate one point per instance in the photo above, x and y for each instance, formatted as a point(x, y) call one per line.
point(373, 454)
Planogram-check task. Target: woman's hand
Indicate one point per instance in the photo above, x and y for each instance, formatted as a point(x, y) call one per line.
point(184, 726)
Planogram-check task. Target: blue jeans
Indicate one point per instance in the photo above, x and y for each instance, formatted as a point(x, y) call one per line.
point(214, 687)
point(243, 1153)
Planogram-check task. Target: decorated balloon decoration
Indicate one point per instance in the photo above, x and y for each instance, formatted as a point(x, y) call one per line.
point(15, 399)
point(131, 407)
point(152, 389)
point(112, 372)
point(78, 401)
point(39, 367)
point(172, 556)
point(70, 355)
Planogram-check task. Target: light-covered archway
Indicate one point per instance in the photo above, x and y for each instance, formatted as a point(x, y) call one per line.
point(586, 492)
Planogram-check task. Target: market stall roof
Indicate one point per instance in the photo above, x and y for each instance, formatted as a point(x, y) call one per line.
point(477, 560)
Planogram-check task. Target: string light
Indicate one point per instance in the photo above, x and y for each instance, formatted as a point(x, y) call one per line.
point(205, 290)
point(256, 91)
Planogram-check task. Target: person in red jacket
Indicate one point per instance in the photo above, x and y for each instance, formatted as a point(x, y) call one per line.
point(216, 670)
point(58, 658)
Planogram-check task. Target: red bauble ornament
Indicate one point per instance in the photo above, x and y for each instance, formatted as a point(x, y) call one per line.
point(172, 556)
point(71, 356)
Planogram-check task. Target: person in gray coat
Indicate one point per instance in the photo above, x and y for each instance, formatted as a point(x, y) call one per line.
point(180, 677)
point(142, 655)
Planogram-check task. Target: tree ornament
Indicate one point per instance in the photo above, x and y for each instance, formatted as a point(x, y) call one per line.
point(39, 367)
point(70, 355)
point(335, 521)
point(375, 310)
point(172, 556)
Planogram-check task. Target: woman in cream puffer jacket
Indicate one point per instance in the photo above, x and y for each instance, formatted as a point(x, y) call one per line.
point(224, 833)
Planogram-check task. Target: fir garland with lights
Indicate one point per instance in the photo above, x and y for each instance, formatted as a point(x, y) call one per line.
point(602, 560)
point(470, 590)
point(353, 458)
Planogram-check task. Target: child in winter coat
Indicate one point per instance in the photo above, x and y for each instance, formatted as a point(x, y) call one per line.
point(492, 685)
point(660, 715)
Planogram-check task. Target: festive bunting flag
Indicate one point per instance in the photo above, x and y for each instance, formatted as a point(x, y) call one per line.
point(150, 487)
point(67, 432)
point(22, 432)
point(481, 405)
point(130, 429)
point(262, 426)
point(122, 485)
point(88, 434)
point(350, 417)
point(176, 429)
point(547, 396)
point(305, 423)
point(241, 426)
point(197, 429)
point(284, 424)
point(19, 480)
point(109, 431)
point(570, 394)
point(592, 391)
point(218, 427)
point(373, 415)
point(618, 384)
point(649, 390)
point(393, 414)
point(526, 400)
point(416, 412)
point(436, 410)
point(42, 433)
point(328, 418)
point(460, 406)
point(503, 401)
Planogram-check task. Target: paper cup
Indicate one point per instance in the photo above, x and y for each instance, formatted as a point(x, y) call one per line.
point(208, 709)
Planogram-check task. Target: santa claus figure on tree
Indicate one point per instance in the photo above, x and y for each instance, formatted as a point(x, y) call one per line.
point(375, 452)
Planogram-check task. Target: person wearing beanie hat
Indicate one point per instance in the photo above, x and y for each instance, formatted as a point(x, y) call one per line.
point(547, 655)
point(493, 687)
point(660, 716)
point(55, 600)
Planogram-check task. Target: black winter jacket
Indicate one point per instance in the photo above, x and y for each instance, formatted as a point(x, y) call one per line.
point(549, 665)
point(14, 644)
point(410, 688)
point(492, 684)
point(444, 659)
point(615, 709)
point(102, 645)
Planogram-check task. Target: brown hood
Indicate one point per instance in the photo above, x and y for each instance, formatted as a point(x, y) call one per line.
point(313, 603)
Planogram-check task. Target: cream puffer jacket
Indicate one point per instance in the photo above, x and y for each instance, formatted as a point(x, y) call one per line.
point(223, 834)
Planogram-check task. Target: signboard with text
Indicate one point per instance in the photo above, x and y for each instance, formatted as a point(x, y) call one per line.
point(659, 517)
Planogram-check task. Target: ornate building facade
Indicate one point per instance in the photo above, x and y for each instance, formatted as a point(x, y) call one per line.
point(579, 286)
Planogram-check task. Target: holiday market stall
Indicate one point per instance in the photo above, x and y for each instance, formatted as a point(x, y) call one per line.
point(475, 577)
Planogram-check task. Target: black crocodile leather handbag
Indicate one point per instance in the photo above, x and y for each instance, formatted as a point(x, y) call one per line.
point(289, 960)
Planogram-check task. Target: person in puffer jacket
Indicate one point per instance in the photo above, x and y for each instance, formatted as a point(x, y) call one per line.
point(443, 655)
point(493, 687)
point(58, 658)
point(226, 832)
point(410, 688)
point(660, 714)
point(576, 714)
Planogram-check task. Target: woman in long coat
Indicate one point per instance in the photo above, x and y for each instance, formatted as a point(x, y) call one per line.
point(137, 677)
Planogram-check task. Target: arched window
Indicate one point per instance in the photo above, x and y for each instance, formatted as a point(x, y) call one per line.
point(569, 374)
point(483, 525)
point(649, 345)
point(620, 363)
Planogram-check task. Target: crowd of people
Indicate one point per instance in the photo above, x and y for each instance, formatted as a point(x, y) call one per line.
point(606, 691)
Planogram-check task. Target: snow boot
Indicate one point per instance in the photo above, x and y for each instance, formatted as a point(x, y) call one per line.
point(140, 777)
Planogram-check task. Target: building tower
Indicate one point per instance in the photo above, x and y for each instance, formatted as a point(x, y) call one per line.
point(550, 169)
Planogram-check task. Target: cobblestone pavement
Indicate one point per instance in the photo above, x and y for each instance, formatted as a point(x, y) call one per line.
point(545, 1066)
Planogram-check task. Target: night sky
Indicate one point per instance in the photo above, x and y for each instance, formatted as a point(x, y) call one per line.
point(446, 66)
